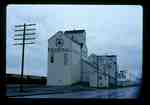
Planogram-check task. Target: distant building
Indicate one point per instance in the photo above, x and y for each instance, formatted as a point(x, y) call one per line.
point(122, 75)
point(106, 73)
point(65, 51)
point(123, 78)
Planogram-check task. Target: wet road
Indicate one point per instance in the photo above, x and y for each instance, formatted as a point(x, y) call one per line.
point(121, 93)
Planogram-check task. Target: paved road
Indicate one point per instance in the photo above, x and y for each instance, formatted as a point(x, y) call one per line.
point(13, 90)
point(121, 93)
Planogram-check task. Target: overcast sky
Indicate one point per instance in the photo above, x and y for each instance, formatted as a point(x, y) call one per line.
point(110, 29)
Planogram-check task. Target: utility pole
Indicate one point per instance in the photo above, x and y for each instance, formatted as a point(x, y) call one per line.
point(97, 70)
point(81, 64)
point(116, 74)
point(24, 37)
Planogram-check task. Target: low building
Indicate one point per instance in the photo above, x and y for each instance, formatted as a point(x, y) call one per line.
point(123, 78)
point(122, 75)
point(27, 79)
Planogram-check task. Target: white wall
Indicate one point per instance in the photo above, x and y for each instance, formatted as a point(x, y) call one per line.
point(87, 69)
point(93, 79)
point(58, 73)
point(75, 65)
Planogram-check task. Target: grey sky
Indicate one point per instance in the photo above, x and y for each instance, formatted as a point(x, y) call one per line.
point(110, 29)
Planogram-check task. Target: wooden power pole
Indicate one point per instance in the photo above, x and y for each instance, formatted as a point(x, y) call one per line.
point(23, 37)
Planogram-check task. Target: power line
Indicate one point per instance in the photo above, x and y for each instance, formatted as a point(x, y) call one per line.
point(23, 25)
point(26, 34)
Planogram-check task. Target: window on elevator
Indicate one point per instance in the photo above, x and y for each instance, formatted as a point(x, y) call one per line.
point(52, 59)
point(65, 58)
